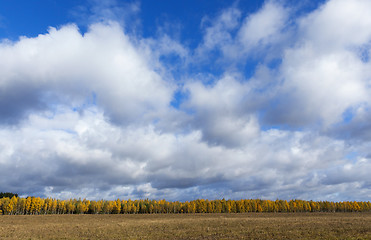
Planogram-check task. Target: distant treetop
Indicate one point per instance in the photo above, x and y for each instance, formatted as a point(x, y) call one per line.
point(7, 194)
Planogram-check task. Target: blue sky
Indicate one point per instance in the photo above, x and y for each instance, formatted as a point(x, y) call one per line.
point(186, 99)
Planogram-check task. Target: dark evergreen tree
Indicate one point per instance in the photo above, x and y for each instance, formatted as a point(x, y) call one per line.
point(8, 195)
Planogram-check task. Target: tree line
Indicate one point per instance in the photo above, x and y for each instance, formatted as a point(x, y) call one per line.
point(36, 205)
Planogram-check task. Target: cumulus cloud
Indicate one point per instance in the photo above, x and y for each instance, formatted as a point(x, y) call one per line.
point(92, 114)
point(335, 25)
point(220, 112)
point(324, 74)
point(258, 35)
point(70, 152)
point(320, 88)
point(264, 27)
point(66, 67)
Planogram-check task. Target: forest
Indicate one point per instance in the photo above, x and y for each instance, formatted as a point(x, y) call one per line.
point(36, 205)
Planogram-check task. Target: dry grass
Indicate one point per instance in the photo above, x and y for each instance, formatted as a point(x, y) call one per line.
point(189, 226)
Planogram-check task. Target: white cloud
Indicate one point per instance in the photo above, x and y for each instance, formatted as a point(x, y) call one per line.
point(321, 87)
point(324, 75)
point(218, 36)
point(338, 24)
point(69, 67)
point(220, 112)
point(264, 27)
point(259, 35)
point(218, 33)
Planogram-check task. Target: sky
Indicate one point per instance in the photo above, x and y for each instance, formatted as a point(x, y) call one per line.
point(180, 100)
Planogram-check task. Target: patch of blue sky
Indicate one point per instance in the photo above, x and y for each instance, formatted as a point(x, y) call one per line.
point(179, 97)
point(304, 6)
point(90, 101)
point(216, 71)
point(364, 53)
point(274, 63)
point(31, 18)
point(352, 156)
point(175, 65)
point(348, 115)
point(2, 24)
point(249, 68)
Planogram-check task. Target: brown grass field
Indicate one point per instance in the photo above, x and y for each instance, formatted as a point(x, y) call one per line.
point(189, 226)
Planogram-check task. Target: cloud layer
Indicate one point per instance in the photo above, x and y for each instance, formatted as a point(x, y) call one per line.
point(107, 114)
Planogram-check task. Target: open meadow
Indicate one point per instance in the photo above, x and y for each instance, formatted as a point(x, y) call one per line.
point(189, 226)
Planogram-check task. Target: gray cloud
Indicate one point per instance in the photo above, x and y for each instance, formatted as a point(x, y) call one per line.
point(83, 159)
point(17, 101)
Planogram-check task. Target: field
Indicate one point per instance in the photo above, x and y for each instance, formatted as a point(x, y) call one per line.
point(189, 226)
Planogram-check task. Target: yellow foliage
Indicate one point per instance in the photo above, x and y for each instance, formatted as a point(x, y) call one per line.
point(37, 205)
